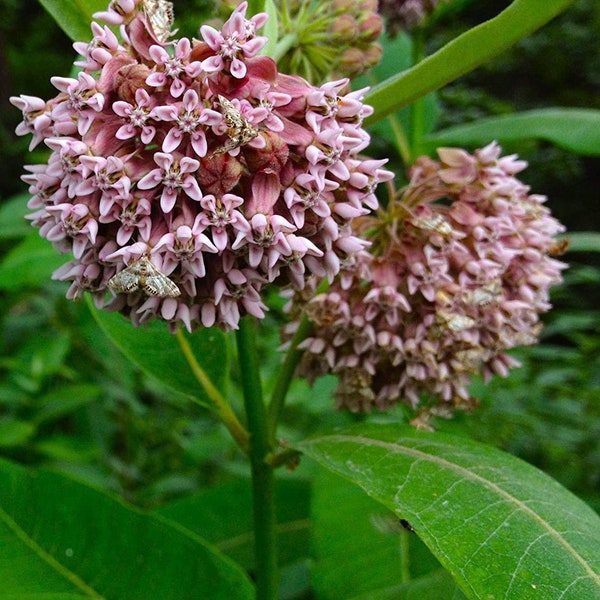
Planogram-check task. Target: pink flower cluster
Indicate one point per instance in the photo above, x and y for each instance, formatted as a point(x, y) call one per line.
point(445, 291)
point(190, 174)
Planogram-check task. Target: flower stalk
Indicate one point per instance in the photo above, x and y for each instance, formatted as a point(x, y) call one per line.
point(260, 448)
point(219, 405)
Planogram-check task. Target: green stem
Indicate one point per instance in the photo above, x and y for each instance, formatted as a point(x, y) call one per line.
point(219, 404)
point(286, 373)
point(260, 449)
point(288, 41)
point(402, 144)
point(405, 556)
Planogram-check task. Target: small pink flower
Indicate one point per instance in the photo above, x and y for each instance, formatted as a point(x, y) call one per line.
point(138, 117)
point(173, 68)
point(173, 176)
point(235, 43)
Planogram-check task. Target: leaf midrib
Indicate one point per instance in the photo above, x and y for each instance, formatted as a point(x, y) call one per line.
point(470, 475)
point(48, 558)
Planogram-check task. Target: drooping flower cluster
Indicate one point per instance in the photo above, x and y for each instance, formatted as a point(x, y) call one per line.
point(446, 289)
point(404, 15)
point(186, 175)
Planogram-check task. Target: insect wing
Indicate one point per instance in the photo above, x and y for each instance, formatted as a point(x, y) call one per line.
point(161, 16)
point(126, 281)
point(160, 285)
point(239, 130)
point(155, 283)
point(143, 274)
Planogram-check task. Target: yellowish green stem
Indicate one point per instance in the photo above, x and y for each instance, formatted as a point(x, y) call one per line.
point(218, 403)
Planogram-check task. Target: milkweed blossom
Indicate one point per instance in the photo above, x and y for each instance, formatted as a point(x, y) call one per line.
point(458, 273)
point(191, 173)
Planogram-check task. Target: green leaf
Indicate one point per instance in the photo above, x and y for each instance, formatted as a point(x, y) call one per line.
point(12, 217)
point(434, 586)
point(15, 433)
point(65, 400)
point(223, 516)
point(74, 16)
point(575, 129)
point(500, 526)
point(29, 264)
point(462, 55)
point(358, 543)
point(58, 536)
point(270, 29)
point(584, 241)
point(157, 352)
point(44, 596)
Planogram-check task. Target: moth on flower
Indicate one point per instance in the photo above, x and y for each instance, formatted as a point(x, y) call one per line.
point(142, 274)
point(239, 130)
point(161, 16)
point(433, 223)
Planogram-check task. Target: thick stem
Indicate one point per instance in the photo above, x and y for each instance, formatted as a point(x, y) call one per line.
point(260, 448)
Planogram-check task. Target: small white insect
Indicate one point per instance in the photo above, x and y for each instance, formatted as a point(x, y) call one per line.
point(239, 130)
point(142, 274)
point(161, 16)
point(453, 321)
point(485, 295)
point(434, 223)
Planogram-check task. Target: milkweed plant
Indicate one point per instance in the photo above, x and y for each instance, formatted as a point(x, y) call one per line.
point(189, 182)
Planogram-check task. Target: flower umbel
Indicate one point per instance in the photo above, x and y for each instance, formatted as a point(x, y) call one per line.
point(196, 163)
point(444, 291)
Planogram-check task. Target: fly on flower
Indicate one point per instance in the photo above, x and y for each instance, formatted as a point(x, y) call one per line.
point(161, 16)
point(142, 274)
point(239, 130)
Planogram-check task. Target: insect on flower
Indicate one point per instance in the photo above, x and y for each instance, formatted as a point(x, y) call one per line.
point(161, 16)
point(142, 274)
point(239, 130)
point(435, 223)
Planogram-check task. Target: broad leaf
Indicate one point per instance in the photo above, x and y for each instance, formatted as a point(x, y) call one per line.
point(462, 54)
point(29, 263)
point(157, 352)
point(223, 516)
point(62, 539)
point(15, 433)
point(74, 16)
point(575, 129)
point(435, 586)
point(66, 399)
point(500, 526)
point(359, 544)
point(12, 213)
